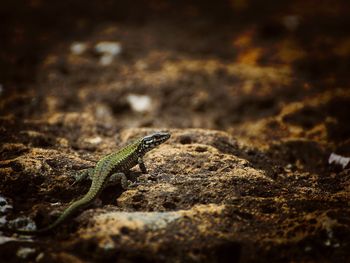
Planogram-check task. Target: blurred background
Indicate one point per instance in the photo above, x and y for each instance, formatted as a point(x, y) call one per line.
point(263, 71)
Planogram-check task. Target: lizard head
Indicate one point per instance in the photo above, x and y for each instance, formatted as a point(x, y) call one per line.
point(149, 142)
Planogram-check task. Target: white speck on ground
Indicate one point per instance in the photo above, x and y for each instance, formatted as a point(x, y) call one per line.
point(78, 48)
point(56, 204)
point(95, 140)
point(3, 220)
point(338, 159)
point(105, 47)
point(24, 252)
point(106, 59)
point(139, 103)
point(108, 51)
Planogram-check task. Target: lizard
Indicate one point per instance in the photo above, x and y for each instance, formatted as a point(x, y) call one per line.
point(110, 168)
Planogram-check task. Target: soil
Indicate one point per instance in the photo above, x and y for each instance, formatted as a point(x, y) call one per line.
point(256, 98)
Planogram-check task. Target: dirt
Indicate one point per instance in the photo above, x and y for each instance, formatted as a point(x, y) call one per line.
point(256, 98)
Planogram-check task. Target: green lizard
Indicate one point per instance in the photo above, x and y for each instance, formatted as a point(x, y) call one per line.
point(110, 168)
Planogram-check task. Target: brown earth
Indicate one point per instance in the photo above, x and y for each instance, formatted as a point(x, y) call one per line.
point(256, 99)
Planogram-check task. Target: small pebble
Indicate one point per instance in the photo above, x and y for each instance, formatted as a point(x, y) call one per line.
point(108, 50)
point(140, 103)
point(95, 140)
point(105, 47)
point(106, 59)
point(338, 159)
point(78, 48)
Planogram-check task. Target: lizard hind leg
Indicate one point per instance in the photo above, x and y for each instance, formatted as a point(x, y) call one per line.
point(117, 178)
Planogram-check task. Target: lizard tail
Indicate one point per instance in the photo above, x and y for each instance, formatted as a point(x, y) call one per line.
point(68, 212)
point(74, 207)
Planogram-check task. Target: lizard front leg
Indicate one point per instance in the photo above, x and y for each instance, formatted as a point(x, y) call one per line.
point(83, 175)
point(142, 165)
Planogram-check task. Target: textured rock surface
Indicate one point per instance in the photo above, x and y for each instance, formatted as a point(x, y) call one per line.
point(205, 198)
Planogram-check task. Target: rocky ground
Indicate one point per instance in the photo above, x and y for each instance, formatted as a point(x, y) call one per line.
point(255, 97)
